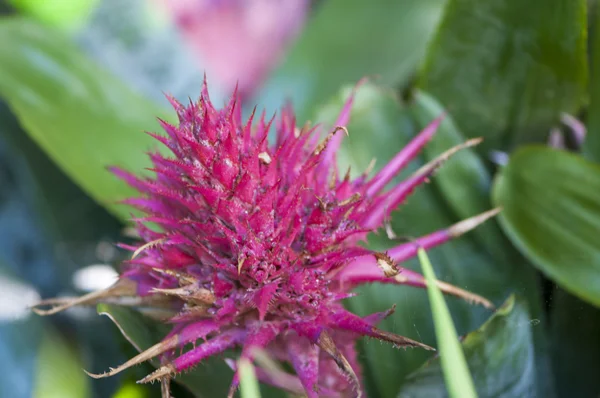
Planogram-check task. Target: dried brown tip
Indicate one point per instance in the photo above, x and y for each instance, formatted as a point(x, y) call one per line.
point(464, 294)
point(452, 290)
point(55, 300)
point(265, 158)
point(165, 387)
point(182, 278)
point(386, 264)
point(334, 178)
point(146, 246)
point(232, 389)
point(370, 167)
point(397, 340)
point(159, 374)
point(347, 175)
point(465, 226)
point(240, 264)
point(389, 231)
point(433, 165)
point(150, 353)
point(351, 200)
point(326, 344)
point(122, 288)
point(323, 144)
point(191, 313)
point(191, 293)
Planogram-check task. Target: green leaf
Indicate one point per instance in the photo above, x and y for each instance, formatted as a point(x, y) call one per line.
point(60, 13)
point(464, 181)
point(552, 213)
point(131, 390)
point(465, 184)
point(507, 68)
point(456, 373)
point(468, 170)
point(591, 146)
point(575, 346)
point(347, 40)
point(379, 127)
point(59, 372)
point(210, 379)
point(80, 115)
point(500, 355)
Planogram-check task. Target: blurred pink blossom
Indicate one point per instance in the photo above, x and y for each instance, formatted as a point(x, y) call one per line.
point(239, 41)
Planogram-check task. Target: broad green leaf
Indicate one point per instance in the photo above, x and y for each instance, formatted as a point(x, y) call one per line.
point(459, 383)
point(463, 182)
point(552, 213)
point(379, 127)
point(575, 346)
point(454, 175)
point(465, 185)
point(79, 114)
point(505, 69)
point(591, 147)
point(58, 370)
point(347, 40)
point(500, 355)
point(59, 13)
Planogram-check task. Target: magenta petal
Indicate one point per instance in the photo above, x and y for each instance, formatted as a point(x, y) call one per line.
point(212, 347)
point(408, 250)
point(377, 317)
point(263, 298)
point(304, 356)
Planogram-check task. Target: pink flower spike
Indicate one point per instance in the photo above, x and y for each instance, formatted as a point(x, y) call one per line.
point(247, 244)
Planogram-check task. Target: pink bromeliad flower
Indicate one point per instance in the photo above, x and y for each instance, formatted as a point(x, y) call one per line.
point(255, 245)
point(238, 41)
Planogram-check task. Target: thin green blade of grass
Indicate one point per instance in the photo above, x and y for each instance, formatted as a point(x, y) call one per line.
point(248, 383)
point(456, 372)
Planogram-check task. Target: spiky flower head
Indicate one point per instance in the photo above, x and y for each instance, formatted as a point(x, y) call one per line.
point(255, 245)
